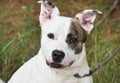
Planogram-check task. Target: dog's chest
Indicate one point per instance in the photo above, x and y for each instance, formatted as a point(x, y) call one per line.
point(63, 80)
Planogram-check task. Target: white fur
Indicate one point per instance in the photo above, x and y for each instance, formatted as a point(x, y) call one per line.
point(37, 71)
point(1, 81)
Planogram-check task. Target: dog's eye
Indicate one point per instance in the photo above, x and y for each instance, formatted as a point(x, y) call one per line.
point(51, 35)
point(73, 40)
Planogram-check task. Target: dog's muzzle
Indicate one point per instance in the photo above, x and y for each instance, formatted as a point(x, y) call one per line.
point(57, 57)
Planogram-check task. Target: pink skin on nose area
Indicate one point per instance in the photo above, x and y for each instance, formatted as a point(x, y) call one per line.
point(49, 60)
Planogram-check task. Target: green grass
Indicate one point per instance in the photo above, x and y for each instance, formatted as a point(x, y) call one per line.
point(20, 37)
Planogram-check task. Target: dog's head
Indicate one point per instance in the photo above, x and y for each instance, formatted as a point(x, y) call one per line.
point(63, 38)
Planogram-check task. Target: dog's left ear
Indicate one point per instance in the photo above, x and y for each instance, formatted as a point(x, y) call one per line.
point(48, 11)
point(87, 18)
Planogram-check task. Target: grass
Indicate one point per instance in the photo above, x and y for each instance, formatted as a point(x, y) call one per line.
point(20, 37)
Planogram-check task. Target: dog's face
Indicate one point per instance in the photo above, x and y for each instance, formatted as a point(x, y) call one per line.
point(63, 37)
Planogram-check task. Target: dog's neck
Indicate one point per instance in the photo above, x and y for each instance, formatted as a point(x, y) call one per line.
point(80, 66)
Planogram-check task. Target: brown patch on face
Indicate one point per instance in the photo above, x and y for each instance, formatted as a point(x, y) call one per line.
point(76, 37)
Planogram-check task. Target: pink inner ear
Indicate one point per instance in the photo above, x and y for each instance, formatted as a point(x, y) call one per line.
point(87, 18)
point(47, 13)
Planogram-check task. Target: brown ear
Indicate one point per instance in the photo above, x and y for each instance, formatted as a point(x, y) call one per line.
point(87, 18)
point(48, 11)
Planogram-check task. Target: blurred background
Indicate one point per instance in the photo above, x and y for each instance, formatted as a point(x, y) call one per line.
point(20, 35)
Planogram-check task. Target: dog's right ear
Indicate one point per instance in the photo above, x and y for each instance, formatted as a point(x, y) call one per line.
point(48, 11)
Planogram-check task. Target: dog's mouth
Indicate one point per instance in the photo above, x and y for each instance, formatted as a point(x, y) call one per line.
point(57, 65)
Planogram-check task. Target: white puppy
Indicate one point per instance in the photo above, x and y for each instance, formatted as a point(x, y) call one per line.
point(62, 53)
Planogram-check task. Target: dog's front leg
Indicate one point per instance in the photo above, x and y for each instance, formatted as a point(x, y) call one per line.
point(86, 80)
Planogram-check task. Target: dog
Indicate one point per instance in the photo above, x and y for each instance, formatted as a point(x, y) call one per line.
point(1, 81)
point(62, 53)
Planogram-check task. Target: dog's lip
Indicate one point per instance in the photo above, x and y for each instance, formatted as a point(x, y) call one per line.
point(57, 65)
point(54, 65)
point(71, 63)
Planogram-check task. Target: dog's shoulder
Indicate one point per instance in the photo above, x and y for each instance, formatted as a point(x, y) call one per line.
point(23, 72)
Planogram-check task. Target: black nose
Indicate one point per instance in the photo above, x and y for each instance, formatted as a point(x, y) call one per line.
point(58, 56)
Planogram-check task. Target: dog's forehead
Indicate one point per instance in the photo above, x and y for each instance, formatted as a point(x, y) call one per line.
point(58, 24)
